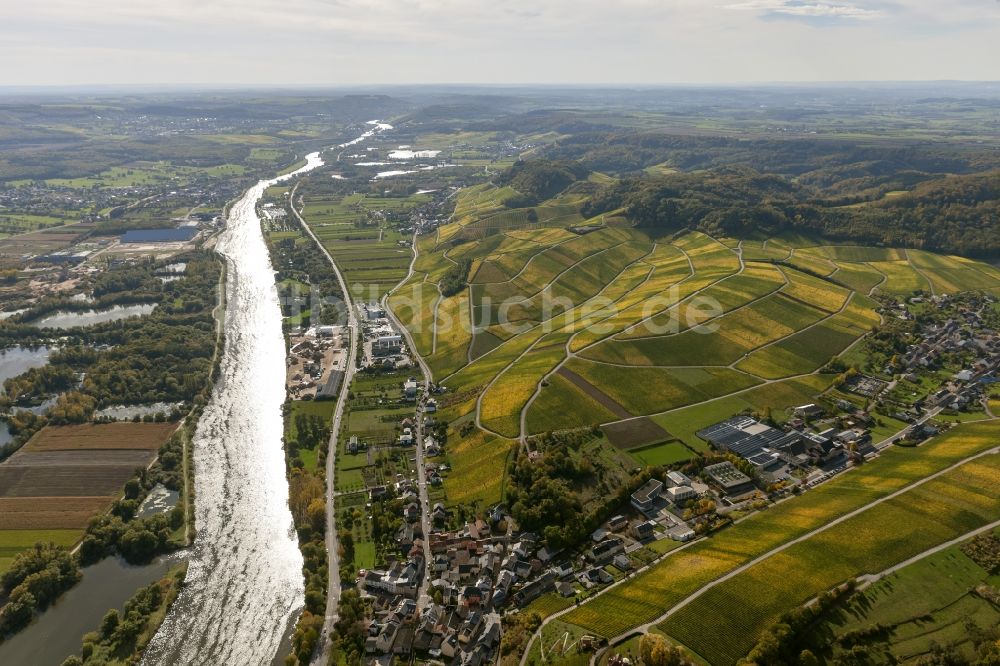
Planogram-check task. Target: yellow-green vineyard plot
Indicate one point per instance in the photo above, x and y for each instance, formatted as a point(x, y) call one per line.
point(593, 274)
point(859, 253)
point(549, 236)
point(562, 405)
point(478, 468)
point(500, 408)
point(814, 291)
point(901, 278)
point(670, 269)
point(505, 267)
point(474, 202)
point(756, 250)
point(710, 258)
point(457, 250)
point(921, 518)
point(719, 342)
point(811, 260)
point(454, 334)
point(545, 266)
point(649, 594)
point(859, 277)
point(519, 302)
point(733, 291)
point(662, 389)
point(481, 371)
point(952, 274)
point(993, 272)
point(413, 303)
point(811, 348)
point(624, 286)
point(502, 403)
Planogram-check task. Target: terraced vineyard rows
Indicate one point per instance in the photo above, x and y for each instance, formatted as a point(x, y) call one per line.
point(709, 326)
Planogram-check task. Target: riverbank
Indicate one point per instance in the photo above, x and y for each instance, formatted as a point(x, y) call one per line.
point(244, 583)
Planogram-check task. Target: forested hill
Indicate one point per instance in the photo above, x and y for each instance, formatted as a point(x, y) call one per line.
point(538, 180)
point(957, 214)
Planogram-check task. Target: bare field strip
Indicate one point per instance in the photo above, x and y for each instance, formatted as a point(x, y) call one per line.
point(50, 513)
point(124, 435)
point(635, 433)
point(92, 458)
point(63, 481)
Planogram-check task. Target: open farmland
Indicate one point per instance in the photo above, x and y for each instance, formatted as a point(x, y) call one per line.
point(359, 231)
point(649, 594)
point(100, 437)
point(928, 602)
point(65, 475)
point(938, 511)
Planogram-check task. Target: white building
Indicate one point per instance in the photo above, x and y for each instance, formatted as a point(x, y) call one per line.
point(679, 494)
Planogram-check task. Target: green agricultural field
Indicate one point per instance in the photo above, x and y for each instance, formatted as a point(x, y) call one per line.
point(951, 274)
point(681, 573)
point(860, 253)
point(862, 278)
point(13, 542)
point(811, 261)
point(547, 604)
point(563, 405)
point(664, 388)
point(11, 224)
point(357, 231)
point(823, 294)
point(927, 602)
point(901, 278)
point(478, 465)
point(663, 455)
point(921, 518)
point(809, 349)
point(718, 342)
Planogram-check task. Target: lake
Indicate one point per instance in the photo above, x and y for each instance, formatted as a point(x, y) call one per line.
point(18, 360)
point(59, 631)
point(71, 319)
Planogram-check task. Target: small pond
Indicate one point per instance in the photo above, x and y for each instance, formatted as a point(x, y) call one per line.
point(159, 500)
point(129, 412)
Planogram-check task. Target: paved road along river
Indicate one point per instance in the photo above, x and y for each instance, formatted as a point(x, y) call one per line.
point(244, 583)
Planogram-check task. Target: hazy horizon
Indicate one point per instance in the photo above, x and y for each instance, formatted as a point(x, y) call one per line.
point(343, 43)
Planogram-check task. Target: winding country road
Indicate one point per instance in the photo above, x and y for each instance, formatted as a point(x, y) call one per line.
point(425, 507)
point(322, 655)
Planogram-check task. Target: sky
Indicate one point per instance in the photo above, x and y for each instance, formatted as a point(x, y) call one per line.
point(364, 42)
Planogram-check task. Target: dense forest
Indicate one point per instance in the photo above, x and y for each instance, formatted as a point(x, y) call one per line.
point(626, 152)
point(959, 214)
point(539, 180)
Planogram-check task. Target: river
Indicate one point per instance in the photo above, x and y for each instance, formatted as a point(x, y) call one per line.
point(244, 583)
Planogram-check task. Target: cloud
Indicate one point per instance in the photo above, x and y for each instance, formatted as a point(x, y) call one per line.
point(807, 10)
point(496, 41)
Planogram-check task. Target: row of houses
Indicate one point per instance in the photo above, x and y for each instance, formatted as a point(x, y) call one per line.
point(459, 635)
